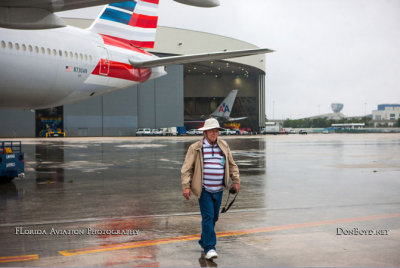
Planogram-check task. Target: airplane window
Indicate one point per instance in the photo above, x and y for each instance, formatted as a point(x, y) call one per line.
point(76, 55)
point(85, 57)
point(36, 49)
point(49, 51)
point(66, 54)
point(10, 45)
point(43, 50)
point(60, 53)
point(81, 56)
point(3, 44)
point(23, 47)
point(71, 55)
point(54, 52)
point(16, 46)
point(90, 57)
point(30, 48)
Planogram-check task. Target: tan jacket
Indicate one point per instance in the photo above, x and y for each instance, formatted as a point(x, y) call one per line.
point(192, 169)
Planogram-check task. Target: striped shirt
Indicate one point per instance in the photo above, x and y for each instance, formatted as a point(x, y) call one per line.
point(213, 168)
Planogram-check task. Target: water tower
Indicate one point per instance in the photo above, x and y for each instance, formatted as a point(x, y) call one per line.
point(337, 107)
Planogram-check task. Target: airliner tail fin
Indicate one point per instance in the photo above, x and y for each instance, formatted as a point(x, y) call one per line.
point(131, 21)
point(225, 108)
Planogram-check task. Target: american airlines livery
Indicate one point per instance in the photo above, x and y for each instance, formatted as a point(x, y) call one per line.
point(224, 110)
point(222, 113)
point(45, 63)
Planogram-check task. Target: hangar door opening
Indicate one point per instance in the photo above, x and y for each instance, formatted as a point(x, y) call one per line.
point(207, 84)
point(49, 122)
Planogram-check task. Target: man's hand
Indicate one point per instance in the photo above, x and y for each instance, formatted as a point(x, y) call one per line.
point(236, 186)
point(186, 193)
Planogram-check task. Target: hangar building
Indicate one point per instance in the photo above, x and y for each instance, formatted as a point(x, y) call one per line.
point(188, 92)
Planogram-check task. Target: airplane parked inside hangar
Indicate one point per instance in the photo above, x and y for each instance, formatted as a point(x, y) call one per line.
point(224, 110)
point(222, 113)
point(45, 63)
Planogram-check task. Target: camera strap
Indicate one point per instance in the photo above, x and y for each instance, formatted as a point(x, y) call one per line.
point(225, 209)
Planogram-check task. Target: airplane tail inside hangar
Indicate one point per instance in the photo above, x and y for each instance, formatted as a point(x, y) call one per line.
point(188, 91)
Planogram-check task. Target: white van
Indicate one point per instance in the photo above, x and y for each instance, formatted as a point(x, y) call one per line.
point(143, 132)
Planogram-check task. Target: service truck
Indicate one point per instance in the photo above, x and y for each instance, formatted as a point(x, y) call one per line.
point(170, 131)
point(271, 130)
point(11, 160)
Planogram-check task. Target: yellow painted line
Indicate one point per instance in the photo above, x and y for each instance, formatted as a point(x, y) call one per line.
point(19, 258)
point(161, 241)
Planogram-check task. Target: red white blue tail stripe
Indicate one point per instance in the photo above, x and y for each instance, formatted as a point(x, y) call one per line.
point(134, 21)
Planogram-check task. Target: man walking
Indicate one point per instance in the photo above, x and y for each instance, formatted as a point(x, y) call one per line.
point(206, 171)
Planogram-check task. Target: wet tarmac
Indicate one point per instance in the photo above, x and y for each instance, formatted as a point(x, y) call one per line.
point(315, 200)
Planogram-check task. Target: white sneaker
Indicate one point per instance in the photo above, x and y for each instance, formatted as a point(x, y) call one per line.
point(211, 254)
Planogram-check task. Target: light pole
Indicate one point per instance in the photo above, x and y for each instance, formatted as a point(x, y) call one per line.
point(365, 109)
point(273, 110)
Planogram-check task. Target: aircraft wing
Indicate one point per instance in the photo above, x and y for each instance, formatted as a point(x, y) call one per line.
point(55, 5)
point(63, 5)
point(196, 58)
point(236, 118)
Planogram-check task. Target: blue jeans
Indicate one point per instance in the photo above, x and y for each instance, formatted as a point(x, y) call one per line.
point(209, 208)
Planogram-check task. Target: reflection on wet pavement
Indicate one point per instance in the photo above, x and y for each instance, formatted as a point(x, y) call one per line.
point(119, 172)
point(132, 185)
point(206, 263)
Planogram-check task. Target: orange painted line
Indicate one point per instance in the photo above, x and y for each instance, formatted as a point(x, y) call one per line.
point(161, 241)
point(19, 258)
point(137, 244)
point(303, 225)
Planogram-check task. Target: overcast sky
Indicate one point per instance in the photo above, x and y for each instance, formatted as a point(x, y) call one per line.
point(345, 51)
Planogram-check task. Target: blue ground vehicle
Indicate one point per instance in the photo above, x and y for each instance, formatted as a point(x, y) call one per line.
point(11, 160)
point(181, 130)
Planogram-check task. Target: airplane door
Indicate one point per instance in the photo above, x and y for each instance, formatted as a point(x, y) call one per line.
point(104, 61)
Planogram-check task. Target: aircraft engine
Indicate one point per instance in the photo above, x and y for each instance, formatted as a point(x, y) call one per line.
point(200, 3)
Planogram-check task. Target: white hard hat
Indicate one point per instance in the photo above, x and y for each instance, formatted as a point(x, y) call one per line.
point(210, 123)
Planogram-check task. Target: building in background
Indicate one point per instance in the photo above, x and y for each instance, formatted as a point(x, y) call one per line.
point(386, 115)
point(190, 90)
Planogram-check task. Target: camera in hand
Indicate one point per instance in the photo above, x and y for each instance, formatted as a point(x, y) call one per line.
point(232, 190)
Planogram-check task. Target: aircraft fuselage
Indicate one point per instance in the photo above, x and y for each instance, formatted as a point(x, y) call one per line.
point(47, 68)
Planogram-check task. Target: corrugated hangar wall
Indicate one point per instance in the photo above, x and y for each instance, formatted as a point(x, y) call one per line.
point(17, 123)
point(160, 101)
point(154, 104)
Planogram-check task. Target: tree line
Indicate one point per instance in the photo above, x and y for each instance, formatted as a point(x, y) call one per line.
point(323, 122)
